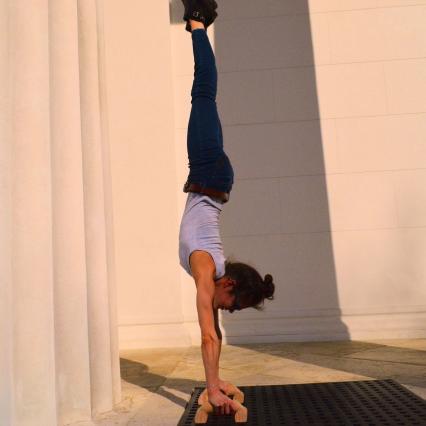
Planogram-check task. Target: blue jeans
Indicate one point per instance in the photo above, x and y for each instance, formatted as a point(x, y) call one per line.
point(209, 166)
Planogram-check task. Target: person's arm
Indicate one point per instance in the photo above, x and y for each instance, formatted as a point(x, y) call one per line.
point(203, 268)
point(203, 272)
point(210, 343)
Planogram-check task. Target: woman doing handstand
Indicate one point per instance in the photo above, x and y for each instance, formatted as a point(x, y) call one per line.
point(221, 284)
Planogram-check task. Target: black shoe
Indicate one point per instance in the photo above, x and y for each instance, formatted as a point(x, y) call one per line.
point(213, 15)
point(201, 11)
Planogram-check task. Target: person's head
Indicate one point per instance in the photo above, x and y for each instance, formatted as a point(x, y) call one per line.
point(242, 287)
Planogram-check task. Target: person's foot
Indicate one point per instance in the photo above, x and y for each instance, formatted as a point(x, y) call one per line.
point(199, 10)
point(213, 15)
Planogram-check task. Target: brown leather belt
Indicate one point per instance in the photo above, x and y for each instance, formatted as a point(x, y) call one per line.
point(195, 187)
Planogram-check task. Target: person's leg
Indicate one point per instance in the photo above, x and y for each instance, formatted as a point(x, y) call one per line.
point(205, 71)
point(209, 165)
point(204, 140)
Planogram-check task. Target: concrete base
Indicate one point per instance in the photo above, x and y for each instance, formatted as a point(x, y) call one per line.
point(157, 383)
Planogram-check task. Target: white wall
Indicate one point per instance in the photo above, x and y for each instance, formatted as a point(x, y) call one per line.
point(140, 98)
point(323, 108)
point(325, 121)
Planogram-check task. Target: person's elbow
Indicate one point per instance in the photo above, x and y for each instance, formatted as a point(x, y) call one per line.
point(209, 338)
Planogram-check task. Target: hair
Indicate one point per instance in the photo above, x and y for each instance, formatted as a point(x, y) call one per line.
point(250, 287)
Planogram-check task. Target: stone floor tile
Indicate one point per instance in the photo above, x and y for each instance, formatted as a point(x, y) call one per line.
point(157, 383)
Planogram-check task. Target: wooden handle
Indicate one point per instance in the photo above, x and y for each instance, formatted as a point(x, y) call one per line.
point(240, 414)
point(231, 390)
point(206, 408)
point(236, 393)
point(203, 412)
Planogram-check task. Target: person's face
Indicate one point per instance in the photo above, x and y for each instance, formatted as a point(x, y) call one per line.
point(224, 298)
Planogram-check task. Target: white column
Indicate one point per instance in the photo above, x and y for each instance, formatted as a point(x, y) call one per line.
point(6, 341)
point(104, 359)
point(59, 361)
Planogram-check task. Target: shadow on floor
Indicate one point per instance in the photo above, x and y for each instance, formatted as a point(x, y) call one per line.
point(138, 374)
point(368, 360)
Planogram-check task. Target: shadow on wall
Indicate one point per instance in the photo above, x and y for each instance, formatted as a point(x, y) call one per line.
point(277, 218)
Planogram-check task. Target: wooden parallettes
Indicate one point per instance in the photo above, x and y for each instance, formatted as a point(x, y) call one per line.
point(206, 408)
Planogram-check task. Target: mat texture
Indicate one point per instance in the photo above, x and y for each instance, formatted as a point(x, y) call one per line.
point(366, 402)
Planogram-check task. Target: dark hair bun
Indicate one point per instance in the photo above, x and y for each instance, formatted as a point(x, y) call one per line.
point(268, 287)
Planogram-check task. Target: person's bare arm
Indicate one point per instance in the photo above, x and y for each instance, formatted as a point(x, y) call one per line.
point(203, 271)
point(202, 267)
point(210, 343)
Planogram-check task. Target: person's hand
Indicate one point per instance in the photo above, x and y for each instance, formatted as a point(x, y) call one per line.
point(221, 403)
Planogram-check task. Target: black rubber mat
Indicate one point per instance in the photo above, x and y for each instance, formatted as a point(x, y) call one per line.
point(365, 402)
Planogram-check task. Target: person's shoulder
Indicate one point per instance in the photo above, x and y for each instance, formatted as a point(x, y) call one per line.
point(202, 264)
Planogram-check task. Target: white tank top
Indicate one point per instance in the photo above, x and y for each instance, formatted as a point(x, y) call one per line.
point(199, 230)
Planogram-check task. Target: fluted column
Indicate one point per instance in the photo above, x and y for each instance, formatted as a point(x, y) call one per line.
point(59, 361)
point(6, 314)
point(104, 360)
